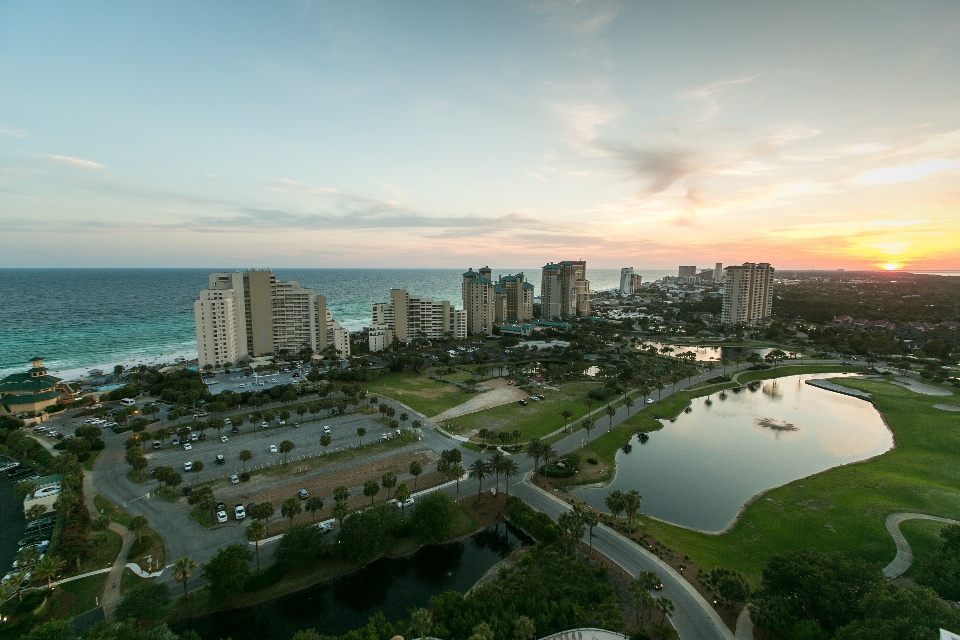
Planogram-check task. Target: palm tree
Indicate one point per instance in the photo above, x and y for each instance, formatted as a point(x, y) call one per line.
point(628, 402)
point(360, 433)
point(566, 414)
point(325, 440)
point(535, 451)
point(479, 470)
point(340, 511)
point(548, 454)
point(588, 425)
point(614, 502)
point(415, 470)
point(183, 571)
point(341, 493)
point(314, 504)
point(138, 523)
point(402, 494)
point(591, 519)
point(665, 607)
point(197, 468)
point(290, 508)
point(416, 425)
point(286, 447)
point(389, 481)
point(509, 469)
point(48, 568)
point(256, 532)
point(421, 620)
point(496, 465)
point(370, 489)
point(610, 413)
point(403, 419)
point(245, 455)
point(16, 581)
point(631, 504)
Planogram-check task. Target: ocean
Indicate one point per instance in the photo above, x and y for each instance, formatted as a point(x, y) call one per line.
point(77, 319)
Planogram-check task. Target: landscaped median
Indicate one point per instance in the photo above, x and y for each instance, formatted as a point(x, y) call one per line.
point(148, 544)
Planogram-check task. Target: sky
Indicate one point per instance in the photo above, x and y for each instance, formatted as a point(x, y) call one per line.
point(449, 134)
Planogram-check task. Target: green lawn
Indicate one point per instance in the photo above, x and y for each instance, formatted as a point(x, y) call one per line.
point(843, 509)
point(924, 539)
point(150, 543)
point(88, 463)
point(534, 420)
point(73, 598)
point(429, 397)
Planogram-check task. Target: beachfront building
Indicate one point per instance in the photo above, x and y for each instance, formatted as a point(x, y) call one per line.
point(250, 314)
point(31, 392)
point(336, 336)
point(479, 301)
point(459, 326)
point(629, 281)
point(513, 299)
point(408, 316)
point(718, 272)
point(564, 290)
point(747, 293)
point(687, 271)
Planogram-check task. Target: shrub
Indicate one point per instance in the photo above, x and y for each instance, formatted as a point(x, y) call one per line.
point(245, 476)
point(593, 460)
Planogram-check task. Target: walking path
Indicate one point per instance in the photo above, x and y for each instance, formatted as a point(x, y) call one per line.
point(500, 393)
point(904, 557)
point(919, 387)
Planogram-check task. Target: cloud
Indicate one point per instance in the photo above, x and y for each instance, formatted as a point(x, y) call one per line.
point(12, 133)
point(660, 168)
point(291, 185)
point(75, 162)
point(908, 173)
point(708, 96)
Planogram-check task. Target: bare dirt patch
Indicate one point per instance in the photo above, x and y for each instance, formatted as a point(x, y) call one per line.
point(490, 509)
point(500, 393)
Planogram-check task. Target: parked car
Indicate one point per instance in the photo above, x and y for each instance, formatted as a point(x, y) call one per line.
point(187, 466)
point(649, 400)
point(187, 446)
point(194, 437)
point(273, 448)
point(326, 429)
point(156, 444)
point(221, 506)
point(235, 429)
point(302, 494)
point(221, 517)
point(223, 439)
point(325, 526)
point(220, 459)
point(187, 490)
point(238, 512)
point(406, 503)
point(234, 479)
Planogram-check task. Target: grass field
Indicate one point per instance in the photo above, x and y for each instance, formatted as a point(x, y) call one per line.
point(73, 598)
point(604, 448)
point(924, 539)
point(150, 544)
point(843, 509)
point(419, 392)
point(534, 420)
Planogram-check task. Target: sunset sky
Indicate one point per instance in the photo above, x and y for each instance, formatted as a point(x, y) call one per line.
point(449, 134)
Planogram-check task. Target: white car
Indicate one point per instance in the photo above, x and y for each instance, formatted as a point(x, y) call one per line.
point(273, 448)
point(187, 446)
point(187, 466)
point(238, 512)
point(406, 503)
point(649, 400)
point(243, 386)
point(326, 429)
point(221, 517)
point(263, 424)
point(325, 526)
point(223, 438)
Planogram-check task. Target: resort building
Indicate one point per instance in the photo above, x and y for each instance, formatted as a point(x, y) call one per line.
point(687, 271)
point(251, 314)
point(408, 316)
point(747, 293)
point(479, 301)
point(629, 281)
point(459, 317)
point(513, 299)
point(31, 392)
point(564, 290)
point(336, 336)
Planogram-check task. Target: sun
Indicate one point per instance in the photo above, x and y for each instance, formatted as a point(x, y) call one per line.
point(891, 266)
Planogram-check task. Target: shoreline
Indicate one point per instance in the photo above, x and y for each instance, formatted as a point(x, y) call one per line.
point(79, 374)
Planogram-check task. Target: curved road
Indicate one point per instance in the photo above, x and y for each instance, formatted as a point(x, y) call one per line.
point(904, 557)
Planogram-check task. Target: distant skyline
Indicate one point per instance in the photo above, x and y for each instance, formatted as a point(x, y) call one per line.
point(428, 134)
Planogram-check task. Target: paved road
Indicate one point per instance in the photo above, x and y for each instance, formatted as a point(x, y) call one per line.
point(904, 557)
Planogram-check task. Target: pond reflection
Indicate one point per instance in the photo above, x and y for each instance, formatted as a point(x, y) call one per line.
point(704, 465)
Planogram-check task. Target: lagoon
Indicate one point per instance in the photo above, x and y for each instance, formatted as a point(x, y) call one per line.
point(708, 353)
point(702, 467)
point(391, 585)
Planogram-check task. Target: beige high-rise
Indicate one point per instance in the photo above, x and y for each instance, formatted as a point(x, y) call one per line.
point(254, 314)
point(408, 316)
point(479, 301)
point(564, 290)
point(513, 299)
point(747, 293)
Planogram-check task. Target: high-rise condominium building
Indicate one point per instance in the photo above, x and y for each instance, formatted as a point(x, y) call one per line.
point(479, 301)
point(718, 272)
point(747, 293)
point(337, 337)
point(514, 299)
point(253, 314)
point(406, 317)
point(564, 290)
point(687, 271)
point(629, 281)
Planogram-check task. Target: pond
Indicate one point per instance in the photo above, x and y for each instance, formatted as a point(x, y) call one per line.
point(699, 470)
point(390, 585)
point(705, 354)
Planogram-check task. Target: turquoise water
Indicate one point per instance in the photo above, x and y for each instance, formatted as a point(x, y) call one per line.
point(83, 318)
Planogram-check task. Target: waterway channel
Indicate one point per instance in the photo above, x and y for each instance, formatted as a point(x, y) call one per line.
point(703, 466)
point(391, 585)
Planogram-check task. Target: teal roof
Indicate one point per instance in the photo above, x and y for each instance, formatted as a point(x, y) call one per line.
point(28, 398)
point(25, 382)
point(470, 274)
point(527, 285)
